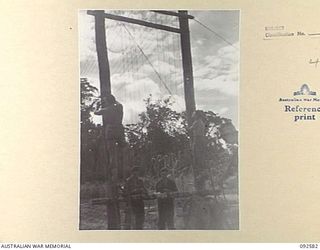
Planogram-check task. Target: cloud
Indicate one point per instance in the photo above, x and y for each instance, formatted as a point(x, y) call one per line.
point(219, 71)
point(131, 110)
point(223, 110)
point(86, 36)
point(215, 64)
point(131, 90)
point(135, 84)
point(224, 83)
point(143, 88)
point(161, 67)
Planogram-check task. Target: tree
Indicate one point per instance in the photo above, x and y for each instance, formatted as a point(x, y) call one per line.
point(89, 131)
point(163, 131)
point(88, 98)
point(159, 131)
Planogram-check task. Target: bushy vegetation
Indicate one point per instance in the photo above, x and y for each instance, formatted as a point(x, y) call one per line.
point(161, 136)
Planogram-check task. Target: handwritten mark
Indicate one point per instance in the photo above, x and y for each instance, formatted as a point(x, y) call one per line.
point(315, 62)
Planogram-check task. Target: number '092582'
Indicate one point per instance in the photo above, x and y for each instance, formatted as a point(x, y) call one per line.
point(313, 246)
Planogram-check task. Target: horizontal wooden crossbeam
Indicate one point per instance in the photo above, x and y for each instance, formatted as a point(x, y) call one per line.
point(172, 13)
point(135, 21)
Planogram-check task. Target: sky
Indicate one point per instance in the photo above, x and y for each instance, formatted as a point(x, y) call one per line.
point(146, 61)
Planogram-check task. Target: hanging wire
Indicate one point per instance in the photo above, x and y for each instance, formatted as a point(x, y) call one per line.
point(215, 33)
point(157, 39)
point(172, 62)
point(156, 72)
point(140, 54)
point(90, 67)
point(114, 28)
point(84, 68)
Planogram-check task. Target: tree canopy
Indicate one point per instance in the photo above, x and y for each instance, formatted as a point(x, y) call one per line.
point(160, 131)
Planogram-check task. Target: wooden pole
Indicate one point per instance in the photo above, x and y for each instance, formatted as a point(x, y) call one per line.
point(188, 84)
point(102, 54)
point(105, 89)
point(101, 45)
point(187, 65)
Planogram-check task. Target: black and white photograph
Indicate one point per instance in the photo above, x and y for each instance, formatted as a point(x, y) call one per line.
point(159, 100)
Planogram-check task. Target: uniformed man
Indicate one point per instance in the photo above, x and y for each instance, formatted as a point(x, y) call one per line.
point(134, 189)
point(112, 113)
point(165, 201)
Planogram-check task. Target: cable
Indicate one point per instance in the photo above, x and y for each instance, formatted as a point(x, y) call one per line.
point(215, 33)
point(164, 84)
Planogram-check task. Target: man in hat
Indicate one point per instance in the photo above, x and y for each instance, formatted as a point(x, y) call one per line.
point(134, 189)
point(165, 201)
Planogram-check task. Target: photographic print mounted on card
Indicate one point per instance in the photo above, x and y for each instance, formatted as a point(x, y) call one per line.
point(159, 119)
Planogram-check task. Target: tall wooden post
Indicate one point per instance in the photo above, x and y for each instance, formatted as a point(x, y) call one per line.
point(188, 87)
point(187, 64)
point(113, 213)
point(102, 52)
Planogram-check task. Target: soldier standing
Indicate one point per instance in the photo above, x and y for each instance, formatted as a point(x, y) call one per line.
point(112, 113)
point(134, 189)
point(165, 201)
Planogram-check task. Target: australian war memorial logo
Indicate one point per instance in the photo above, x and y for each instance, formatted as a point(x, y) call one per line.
point(304, 105)
point(304, 90)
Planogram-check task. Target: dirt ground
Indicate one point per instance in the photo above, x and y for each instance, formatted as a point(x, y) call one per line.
point(220, 213)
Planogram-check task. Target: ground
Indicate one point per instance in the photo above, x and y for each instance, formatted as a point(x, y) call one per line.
point(204, 213)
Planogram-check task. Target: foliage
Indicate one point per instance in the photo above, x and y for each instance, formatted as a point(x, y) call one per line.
point(160, 131)
point(89, 96)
